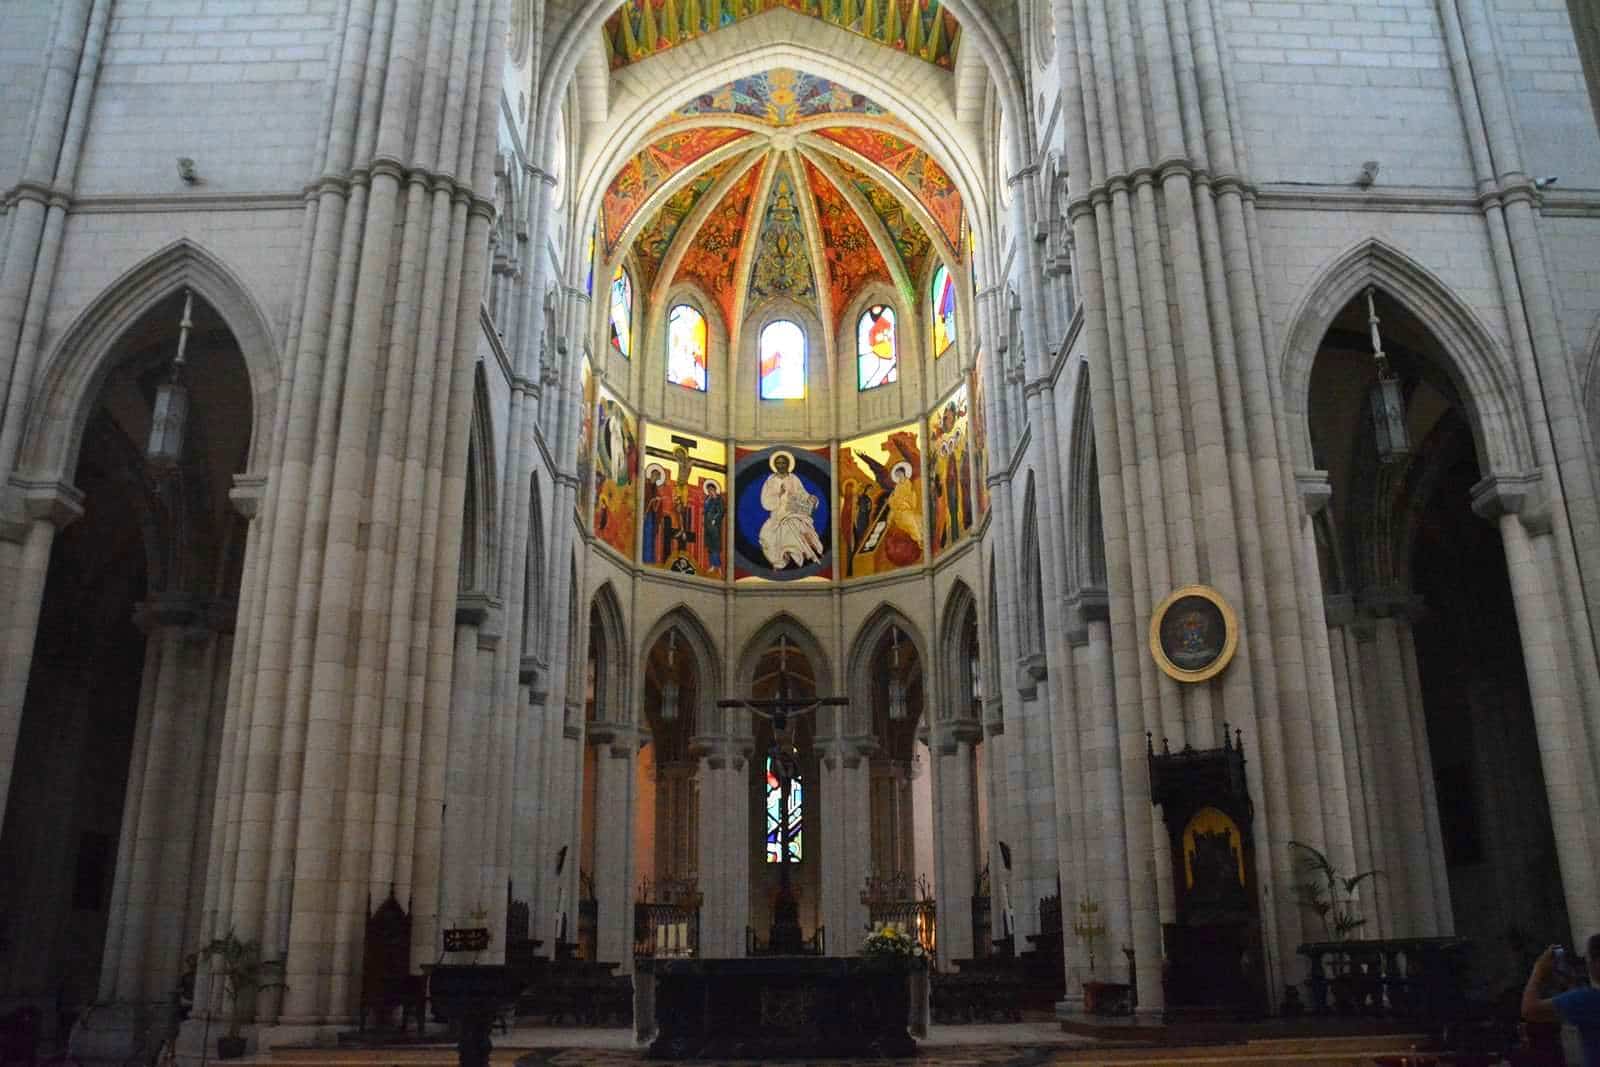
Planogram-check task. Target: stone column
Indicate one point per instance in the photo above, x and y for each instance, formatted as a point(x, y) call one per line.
point(31, 513)
point(1357, 747)
point(725, 848)
point(155, 914)
point(1553, 690)
point(846, 859)
point(613, 852)
point(470, 774)
point(955, 799)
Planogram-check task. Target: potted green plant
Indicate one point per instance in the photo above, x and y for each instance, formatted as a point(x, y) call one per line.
point(1332, 896)
point(244, 974)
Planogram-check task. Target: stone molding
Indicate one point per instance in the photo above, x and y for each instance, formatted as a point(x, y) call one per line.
point(25, 501)
point(1523, 495)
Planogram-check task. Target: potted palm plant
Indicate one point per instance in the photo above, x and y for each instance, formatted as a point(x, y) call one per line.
point(1331, 894)
point(244, 974)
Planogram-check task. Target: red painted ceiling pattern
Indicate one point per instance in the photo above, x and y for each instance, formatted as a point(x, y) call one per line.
point(917, 170)
point(649, 170)
point(712, 261)
point(852, 257)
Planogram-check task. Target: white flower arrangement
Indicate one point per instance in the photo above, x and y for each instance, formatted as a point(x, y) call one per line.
point(890, 941)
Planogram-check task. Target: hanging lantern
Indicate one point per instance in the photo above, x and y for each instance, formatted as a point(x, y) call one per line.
point(897, 685)
point(669, 688)
point(1386, 400)
point(169, 420)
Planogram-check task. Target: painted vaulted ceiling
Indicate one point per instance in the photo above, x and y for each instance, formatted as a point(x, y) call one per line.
point(922, 28)
point(781, 185)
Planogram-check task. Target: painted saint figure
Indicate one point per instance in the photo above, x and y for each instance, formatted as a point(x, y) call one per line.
point(789, 536)
point(714, 512)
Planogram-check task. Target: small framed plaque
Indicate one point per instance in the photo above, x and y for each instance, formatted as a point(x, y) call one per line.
point(466, 939)
point(1193, 634)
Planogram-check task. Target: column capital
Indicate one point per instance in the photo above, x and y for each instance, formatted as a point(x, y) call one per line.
point(1523, 495)
point(483, 611)
point(247, 493)
point(1339, 609)
point(25, 501)
point(1315, 489)
point(619, 737)
point(1393, 602)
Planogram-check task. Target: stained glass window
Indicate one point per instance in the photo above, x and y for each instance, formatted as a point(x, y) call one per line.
point(944, 311)
point(588, 281)
point(686, 348)
point(784, 822)
point(622, 313)
point(783, 362)
point(877, 357)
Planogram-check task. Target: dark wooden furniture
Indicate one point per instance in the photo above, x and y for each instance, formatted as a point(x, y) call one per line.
point(780, 1007)
point(1419, 979)
point(386, 979)
point(989, 989)
point(572, 991)
point(1214, 957)
point(473, 997)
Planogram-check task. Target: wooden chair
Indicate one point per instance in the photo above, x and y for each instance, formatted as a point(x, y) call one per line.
point(386, 979)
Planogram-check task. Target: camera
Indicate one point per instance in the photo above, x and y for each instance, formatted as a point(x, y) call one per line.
point(1562, 960)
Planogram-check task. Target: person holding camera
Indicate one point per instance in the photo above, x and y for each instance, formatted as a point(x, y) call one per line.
point(1579, 1005)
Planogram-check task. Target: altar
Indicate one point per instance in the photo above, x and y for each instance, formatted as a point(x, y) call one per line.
point(779, 1007)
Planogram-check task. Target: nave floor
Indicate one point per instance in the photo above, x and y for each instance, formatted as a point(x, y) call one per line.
point(1027, 1044)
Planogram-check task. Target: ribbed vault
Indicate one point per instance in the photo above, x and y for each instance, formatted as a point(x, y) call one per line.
point(781, 184)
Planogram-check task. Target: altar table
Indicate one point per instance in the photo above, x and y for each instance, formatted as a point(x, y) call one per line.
point(778, 1007)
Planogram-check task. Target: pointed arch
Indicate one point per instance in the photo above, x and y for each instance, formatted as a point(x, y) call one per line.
point(707, 659)
point(1030, 606)
point(78, 364)
point(480, 510)
point(608, 641)
point(863, 666)
point(1087, 554)
point(1476, 364)
point(957, 632)
point(994, 712)
point(533, 593)
point(783, 624)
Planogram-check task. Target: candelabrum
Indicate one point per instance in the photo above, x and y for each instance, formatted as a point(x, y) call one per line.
point(1088, 926)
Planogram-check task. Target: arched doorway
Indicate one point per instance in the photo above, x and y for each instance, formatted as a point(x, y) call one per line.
point(109, 814)
point(666, 830)
point(1427, 650)
point(785, 803)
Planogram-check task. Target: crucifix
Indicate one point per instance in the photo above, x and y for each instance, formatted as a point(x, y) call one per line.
point(783, 711)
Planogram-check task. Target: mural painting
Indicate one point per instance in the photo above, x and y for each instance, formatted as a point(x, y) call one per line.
point(783, 513)
point(685, 525)
point(781, 97)
point(648, 171)
point(586, 437)
point(921, 174)
point(853, 258)
point(616, 470)
point(880, 503)
point(712, 261)
point(953, 484)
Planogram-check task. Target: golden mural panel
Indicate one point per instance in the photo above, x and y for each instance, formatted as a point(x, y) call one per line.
point(881, 527)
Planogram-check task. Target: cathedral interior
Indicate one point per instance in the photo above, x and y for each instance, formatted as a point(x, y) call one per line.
point(717, 479)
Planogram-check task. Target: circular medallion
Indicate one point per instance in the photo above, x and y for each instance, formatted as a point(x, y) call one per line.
point(1193, 634)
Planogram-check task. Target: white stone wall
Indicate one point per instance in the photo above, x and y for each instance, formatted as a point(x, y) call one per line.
point(24, 37)
point(1544, 74)
point(236, 85)
point(1325, 85)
